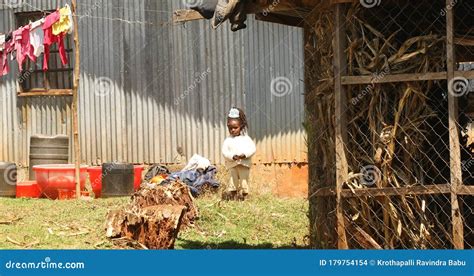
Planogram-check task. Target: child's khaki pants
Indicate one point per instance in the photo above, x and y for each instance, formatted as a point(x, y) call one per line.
point(239, 179)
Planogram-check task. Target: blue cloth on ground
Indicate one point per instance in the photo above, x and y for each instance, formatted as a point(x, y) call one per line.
point(196, 179)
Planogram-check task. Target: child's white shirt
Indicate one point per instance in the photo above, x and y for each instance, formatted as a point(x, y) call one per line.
point(238, 145)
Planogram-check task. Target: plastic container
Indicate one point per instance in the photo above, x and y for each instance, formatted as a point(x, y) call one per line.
point(8, 175)
point(52, 178)
point(64, 194)
point(95, 177)
point(117, 179)
point(138, 172)
point(69, 194)
point(28, 189)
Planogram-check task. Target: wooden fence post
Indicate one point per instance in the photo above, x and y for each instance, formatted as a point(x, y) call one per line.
point(340, 67)
point(454, 145)
point(75, 123)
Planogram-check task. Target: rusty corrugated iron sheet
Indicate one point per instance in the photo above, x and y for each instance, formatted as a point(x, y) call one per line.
point(151, 91)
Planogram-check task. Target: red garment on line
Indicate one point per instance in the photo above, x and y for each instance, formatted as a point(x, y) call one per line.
point(4, 69)
point(21, 40)
point(50, 39)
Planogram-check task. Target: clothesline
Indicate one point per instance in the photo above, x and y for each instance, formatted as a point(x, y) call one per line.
point(129, 9)
point(125, 20)
point(97, 6)
point(82, 16)
point(36, 38)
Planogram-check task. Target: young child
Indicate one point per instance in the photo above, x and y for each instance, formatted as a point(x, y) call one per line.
point(238, 150)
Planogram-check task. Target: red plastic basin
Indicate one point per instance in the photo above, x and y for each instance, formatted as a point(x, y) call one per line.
point(70, 194)
point(52, 178)
point(95, 176)
point(28, 189)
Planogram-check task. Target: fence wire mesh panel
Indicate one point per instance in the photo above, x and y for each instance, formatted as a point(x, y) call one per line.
point(405, 118)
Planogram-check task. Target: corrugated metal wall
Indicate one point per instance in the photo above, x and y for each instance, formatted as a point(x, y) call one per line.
point(152, 91)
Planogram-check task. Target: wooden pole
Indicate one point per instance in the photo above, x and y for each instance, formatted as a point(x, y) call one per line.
point(342, 168)
point(454, 145)
point(75, 123)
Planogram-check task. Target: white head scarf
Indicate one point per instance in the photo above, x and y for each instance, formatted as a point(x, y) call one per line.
point(234, 113)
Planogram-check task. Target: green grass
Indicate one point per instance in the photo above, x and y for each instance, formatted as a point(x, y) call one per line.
point(261, 222)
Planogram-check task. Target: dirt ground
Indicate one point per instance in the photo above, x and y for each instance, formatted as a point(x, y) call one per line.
point(274, 217)
point(283, 181)
point(280, 180)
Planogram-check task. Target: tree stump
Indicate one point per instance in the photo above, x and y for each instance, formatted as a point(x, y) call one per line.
point(154, 216)
point(174, 193)
point(155, 227)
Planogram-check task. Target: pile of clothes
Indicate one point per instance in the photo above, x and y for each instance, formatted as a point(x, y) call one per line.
point(197, 175)
point(221, 10)
point(35, 39)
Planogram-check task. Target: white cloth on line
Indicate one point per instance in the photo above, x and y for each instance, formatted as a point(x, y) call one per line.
point(2, 42)
point(36, 24)
point(36, 40)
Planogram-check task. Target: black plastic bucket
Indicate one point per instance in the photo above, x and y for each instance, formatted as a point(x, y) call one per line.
point(117, 179)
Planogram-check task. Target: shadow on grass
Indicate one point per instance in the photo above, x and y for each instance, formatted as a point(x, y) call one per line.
point(232, 244)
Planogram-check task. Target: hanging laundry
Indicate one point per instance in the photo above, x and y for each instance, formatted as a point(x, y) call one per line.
point(64, 24)
point(2, 42)
point(3, 64)
point(21, 39)
point(7, 49)
point(50, 39)
point(37, 37)
point(71, 22)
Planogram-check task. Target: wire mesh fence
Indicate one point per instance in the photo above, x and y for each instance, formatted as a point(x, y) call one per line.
point(405, 123)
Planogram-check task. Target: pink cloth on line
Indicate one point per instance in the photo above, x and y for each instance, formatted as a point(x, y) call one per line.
point(4, 69)
point(50, 39)
point(3, 64)
point(21, 39)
